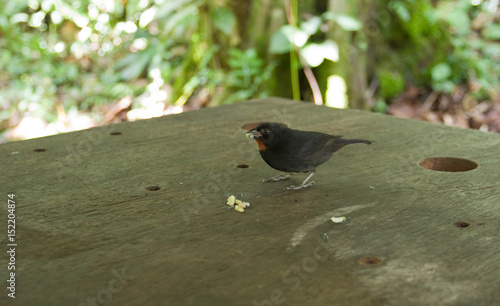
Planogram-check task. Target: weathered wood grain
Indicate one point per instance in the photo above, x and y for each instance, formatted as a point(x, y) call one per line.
point(89, 231)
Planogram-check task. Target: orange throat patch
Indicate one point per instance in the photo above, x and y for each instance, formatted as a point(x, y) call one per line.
point(262, 146)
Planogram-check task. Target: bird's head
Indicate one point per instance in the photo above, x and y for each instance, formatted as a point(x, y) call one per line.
point(265, 134)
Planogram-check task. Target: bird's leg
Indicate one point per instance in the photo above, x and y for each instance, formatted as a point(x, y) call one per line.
point(303, 185)
point(281, 176)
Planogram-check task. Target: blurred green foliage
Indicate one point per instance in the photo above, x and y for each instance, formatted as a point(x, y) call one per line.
point(61, 57)
point(441, 44)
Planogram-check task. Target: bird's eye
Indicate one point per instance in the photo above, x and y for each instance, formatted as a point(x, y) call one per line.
point(265, 132)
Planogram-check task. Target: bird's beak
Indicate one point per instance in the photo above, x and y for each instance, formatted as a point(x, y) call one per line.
point(252, 134)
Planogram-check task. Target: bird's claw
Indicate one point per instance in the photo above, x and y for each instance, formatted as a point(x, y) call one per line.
point(280, 177)
point(293, 188)
point(309, 184)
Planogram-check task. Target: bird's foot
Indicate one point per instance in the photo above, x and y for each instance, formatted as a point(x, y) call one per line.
point(293, 188)
point(279, 177)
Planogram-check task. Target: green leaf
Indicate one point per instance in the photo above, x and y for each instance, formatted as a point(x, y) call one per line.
point(251, 53)
point(234, 63)
point(401, 10)
point(236, 53)
point(224, 20)
point(296, 36)
point(441, 72)
point(459, 20)
point(391, 83)
point(492, 31)
point(315, 54)
point(346, 22)
point(491, 50)
point(446, 86)
point(191, 84)
point(380, 106)
point(207, 56)
point(169, 7)
point(180, 17)
point(311, 26)
point(349, 23)
point(134, 64)
point(279, 43)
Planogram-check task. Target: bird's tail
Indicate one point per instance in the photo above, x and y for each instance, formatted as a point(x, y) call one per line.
point(339, 143)
point(350, 141)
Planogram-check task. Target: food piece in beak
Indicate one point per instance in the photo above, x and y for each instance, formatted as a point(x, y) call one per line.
point(252, 134)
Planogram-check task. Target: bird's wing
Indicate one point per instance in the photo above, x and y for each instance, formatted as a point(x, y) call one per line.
point(318, 146)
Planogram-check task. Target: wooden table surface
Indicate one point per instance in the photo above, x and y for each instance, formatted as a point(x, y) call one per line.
point(135, 214)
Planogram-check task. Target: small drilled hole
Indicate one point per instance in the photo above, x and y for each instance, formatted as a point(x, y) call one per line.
point(461, 224)
point(115, 133)
point(447, 164)
point(39, 150)
point(242, 166)
point(369, 261)
point(153, 188)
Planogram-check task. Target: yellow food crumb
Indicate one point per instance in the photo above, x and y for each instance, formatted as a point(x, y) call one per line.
point(240, 205)
point(231, 200)
point(338, 219)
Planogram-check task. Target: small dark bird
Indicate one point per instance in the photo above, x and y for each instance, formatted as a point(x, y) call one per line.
point(290, 150)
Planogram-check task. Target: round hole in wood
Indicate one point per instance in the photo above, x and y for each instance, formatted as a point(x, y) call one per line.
point(115, 133)
point(369, 261)
point(39, 150)
point(461, 224)
point(242, 166)
point(153, 188)
point(447, 164)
